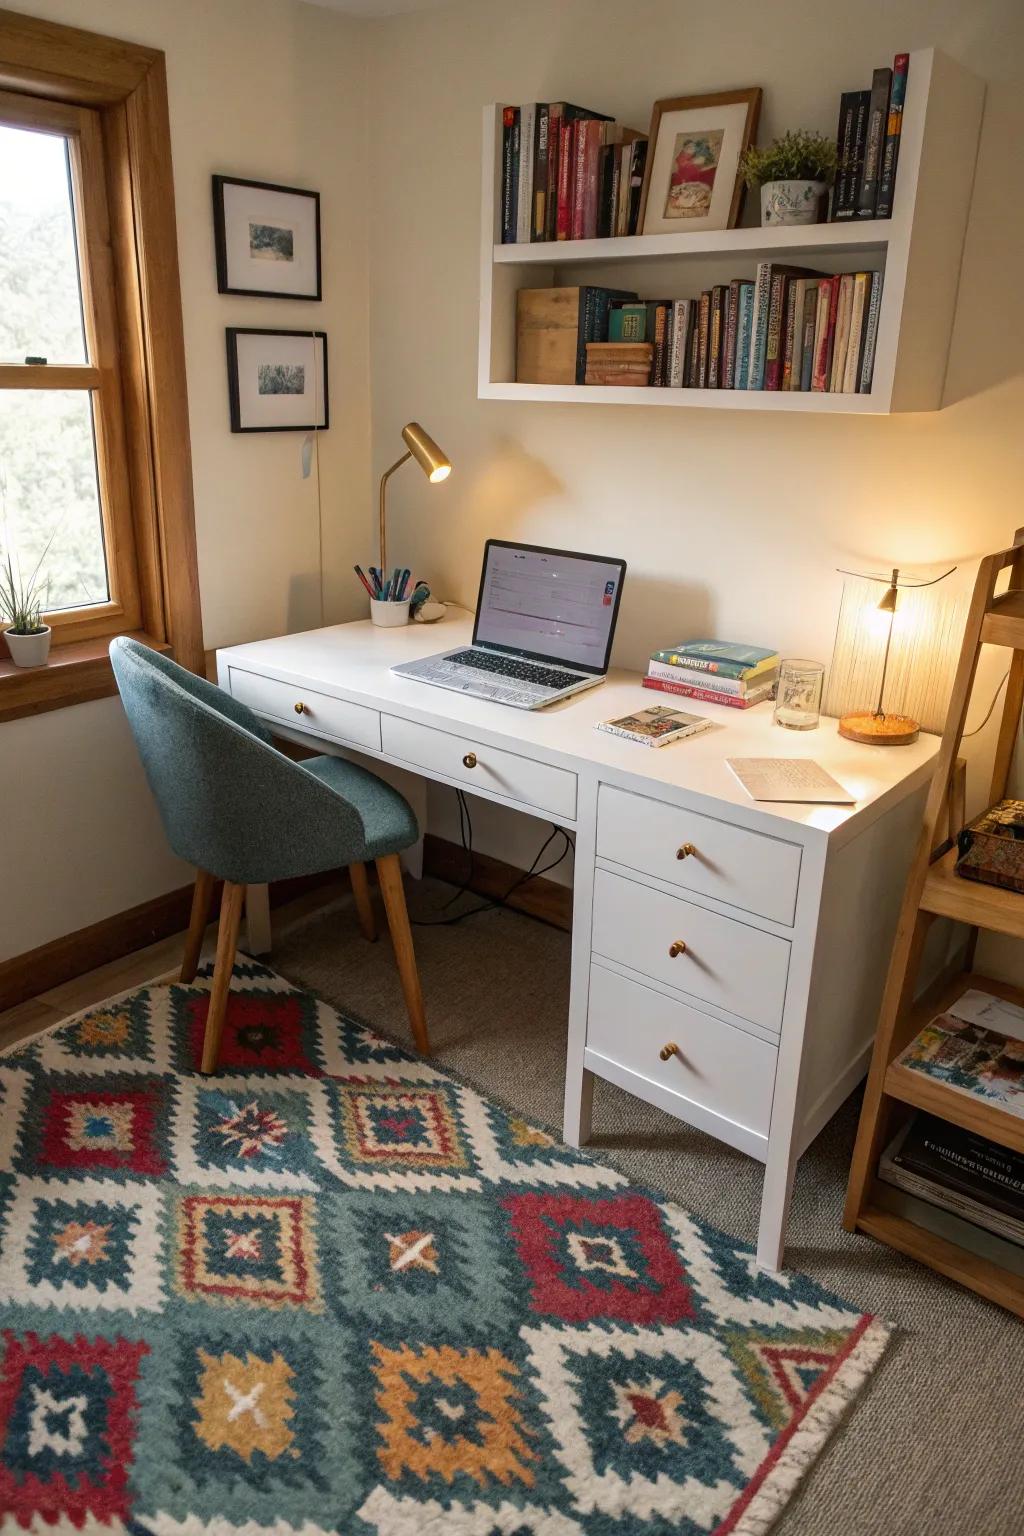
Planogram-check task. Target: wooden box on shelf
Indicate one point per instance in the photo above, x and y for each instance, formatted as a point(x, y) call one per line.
point(918, 250)
point(620, 362)
point(547, 326)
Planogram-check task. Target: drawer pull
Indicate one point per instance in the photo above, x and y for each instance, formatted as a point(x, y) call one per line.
point(469, 761)
point(676, 949)
point(668, 1051)
point(300, 708)
point(685, 851)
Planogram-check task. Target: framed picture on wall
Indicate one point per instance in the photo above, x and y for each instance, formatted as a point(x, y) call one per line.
point(267, 239)
point(277, 380)
point(692, 179)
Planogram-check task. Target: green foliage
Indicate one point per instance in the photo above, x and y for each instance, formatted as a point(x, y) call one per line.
point(797, 156)
point(22, 601)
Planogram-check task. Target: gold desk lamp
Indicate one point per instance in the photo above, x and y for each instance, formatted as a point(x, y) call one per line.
point(875, 728)
point(434, 463)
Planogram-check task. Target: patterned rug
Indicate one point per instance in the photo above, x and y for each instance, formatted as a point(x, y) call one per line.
point(334, 1290)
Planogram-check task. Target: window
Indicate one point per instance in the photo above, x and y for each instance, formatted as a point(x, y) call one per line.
point(94, 441)
point(64, 484)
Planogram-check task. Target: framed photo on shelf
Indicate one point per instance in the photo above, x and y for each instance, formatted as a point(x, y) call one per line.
point(692, 180)
point(277, 380)
point(267, 239)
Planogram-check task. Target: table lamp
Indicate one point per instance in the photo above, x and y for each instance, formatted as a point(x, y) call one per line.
point(433, 461)
point(877, 727)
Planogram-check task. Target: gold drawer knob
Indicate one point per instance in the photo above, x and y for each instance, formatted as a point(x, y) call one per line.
point(300, 708)
point(668, 1051)
point(469, 761)
point(685, 851)
point(676, 949)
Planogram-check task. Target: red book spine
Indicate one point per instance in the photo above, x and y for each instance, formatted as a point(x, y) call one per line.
point(689, 692)
point(592, 177)
point(566, 141)
point(579, 178)
point(554, 150)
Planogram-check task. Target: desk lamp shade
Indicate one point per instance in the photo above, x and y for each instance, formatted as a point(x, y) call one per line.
point(431, 458)
point(896, 652)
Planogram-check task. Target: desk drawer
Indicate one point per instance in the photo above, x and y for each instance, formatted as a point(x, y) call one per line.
point(723, 1071)
point(729, 964)
point(537, 785)
point(320, 714)
point(731, 864)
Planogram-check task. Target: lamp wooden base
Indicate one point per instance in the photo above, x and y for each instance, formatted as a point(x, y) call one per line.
point(879, 730)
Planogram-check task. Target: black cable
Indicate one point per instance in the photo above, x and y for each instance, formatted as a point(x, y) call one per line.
point(533, 873)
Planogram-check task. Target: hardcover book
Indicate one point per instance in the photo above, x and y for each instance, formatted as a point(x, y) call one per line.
point(715, 682)
point(867, 366)
point(655, 727)
point(949, 1157)
point(894, 128)
point(975, 1047)
point(707, 696)
point(854, 158)
point(744, 322)
point(722, 656)
point(874, 143)
point(509, 172)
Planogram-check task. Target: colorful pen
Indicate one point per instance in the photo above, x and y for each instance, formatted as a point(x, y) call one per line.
point(359, 572)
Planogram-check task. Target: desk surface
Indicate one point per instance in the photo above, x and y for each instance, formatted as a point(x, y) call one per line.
point(352, 661)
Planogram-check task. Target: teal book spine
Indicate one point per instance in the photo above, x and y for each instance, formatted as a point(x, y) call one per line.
point(744, 319)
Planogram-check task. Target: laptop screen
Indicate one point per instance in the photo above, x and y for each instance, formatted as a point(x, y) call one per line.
point(549, 604)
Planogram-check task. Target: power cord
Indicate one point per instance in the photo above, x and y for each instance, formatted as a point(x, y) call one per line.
point(533, 873)
point(991, 707)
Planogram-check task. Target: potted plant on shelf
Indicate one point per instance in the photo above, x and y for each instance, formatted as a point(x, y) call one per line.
point(794, 174)
point(21, 604)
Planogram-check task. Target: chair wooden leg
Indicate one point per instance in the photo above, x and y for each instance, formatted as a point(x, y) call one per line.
point(364, 906)
point(231, 905)
point(389, 874)
point(202, 896)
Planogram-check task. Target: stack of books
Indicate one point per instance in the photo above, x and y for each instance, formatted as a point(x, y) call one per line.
point(568, 173)
point(716, 671)
point(868, 139)
point(959, 1171)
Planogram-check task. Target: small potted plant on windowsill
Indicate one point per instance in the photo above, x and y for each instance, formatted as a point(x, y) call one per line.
point(794, 174)
point(21, 604)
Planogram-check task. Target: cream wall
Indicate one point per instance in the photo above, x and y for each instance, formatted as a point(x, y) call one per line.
point(732, 524)
point(274, 90)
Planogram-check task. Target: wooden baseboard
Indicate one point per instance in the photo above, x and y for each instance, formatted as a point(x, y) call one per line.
point(544, 899)
point(50, 965)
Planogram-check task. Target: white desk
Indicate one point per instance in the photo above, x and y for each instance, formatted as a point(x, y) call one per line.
point(781, 918)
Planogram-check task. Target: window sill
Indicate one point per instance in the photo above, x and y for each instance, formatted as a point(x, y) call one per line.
point(74, 674)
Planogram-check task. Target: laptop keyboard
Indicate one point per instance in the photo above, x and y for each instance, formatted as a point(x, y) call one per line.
point(512, 667)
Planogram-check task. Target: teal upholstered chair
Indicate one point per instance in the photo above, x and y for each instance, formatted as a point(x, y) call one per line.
point(242, 812)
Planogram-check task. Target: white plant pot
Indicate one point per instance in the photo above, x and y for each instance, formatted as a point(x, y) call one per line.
point(29, 650)
point(791, 202)
point(389, 614)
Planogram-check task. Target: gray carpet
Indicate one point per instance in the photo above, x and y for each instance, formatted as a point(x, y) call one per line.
point(933, 1445)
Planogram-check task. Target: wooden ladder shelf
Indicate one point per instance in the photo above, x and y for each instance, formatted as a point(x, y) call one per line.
point(935, 890)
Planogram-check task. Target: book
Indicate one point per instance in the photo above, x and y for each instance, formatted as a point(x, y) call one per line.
point(854, 155)
point(744, 322)
point(822, 338)
point(563, 201)
point(732, 314)
point(638, 160)
point(874, 143)
point(810, 320)
point(798, 295)
point(893, 130)
point(658, 312)
point(789, 336)
point(707, 696)
point(655, 727)
point(769, 294)
point(540, 171)
point(844, 142)
point(867, 366)
point(509, 172)
point(714, 682)
point(703, 333)
point(628, 321)
point(524, 189)
point(976, 1047)
point(961, 1171)
point(679, 338)
point(724, 657)
point(855, 350)
point(716, 336)
point(606, 189)
point(844, 306)
point(789, 780)
point(773, 345)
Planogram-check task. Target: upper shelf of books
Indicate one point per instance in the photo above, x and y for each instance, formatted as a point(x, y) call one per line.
point(909, 261)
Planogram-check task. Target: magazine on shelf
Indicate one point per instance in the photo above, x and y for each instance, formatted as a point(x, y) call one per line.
point(976, 1047)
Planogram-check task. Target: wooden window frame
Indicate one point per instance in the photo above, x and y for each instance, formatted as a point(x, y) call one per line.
point(110, 97)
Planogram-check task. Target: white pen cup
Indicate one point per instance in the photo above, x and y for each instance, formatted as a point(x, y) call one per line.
point(388, 615)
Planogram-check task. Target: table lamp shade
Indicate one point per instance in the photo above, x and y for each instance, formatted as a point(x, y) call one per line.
point(432, 459)
point(894, 657)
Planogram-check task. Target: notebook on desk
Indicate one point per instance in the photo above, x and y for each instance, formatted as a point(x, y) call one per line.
point(545, 621)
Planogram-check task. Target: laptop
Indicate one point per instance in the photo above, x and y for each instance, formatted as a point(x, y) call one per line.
point(545, 620)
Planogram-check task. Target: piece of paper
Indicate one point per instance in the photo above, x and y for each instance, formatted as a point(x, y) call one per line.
point(989, 1012)
point(798, 780)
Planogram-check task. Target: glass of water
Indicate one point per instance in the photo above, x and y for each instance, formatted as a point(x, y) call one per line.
point(798, 696)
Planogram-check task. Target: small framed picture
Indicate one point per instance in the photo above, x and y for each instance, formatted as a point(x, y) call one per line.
point(277, 380)
point(692, 179)
point(267, 239)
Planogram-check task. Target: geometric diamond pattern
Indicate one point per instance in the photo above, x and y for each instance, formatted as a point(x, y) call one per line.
point(330, 1289)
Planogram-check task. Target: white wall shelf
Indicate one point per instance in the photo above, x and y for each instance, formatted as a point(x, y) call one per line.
point(919, 250)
